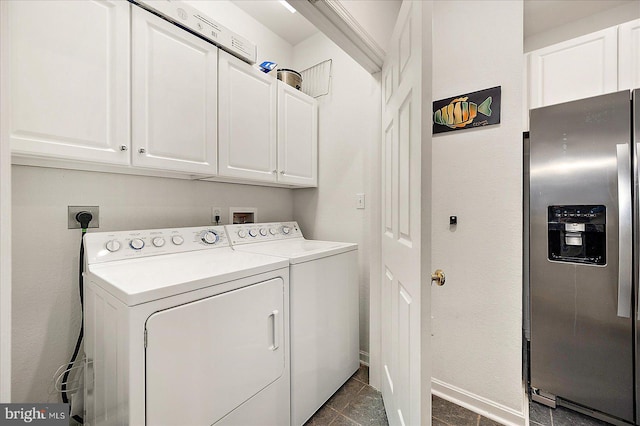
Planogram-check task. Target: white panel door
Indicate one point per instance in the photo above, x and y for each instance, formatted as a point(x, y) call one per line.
point(67, 65)
point(206, 358)
point(174, 97)
point(297, 137)
point(246, 121)
point(405, 258)
point(629, 55)
point(578, 68)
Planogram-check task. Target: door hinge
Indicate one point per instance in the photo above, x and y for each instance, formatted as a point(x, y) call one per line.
point(145, 338)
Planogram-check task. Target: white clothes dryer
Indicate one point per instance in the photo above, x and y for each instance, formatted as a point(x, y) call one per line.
point(180, 329)
point(324, 309)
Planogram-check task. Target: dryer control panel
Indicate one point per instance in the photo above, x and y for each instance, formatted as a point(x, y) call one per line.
point(109, 246)
point(260, 232)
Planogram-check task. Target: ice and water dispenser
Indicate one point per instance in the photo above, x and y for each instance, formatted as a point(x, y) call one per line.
point(577, 234)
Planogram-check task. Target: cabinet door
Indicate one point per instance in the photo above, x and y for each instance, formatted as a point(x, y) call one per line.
point(246, 120)
point(579, 68)
point(174, 98)
point(65, 66)
point(297, 137)
point(629, 55)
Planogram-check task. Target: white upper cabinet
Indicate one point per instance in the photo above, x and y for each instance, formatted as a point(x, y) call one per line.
point(268, 131)
point(246, 121)
point(297, 137)
point(65, 71)
point(629, 55)
point(174, 97)
point(579, 68)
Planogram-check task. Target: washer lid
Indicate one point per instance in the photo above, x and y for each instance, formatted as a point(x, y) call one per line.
point(136, 281)
point(299, 250)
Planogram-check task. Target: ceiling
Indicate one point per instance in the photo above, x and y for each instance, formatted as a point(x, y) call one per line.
point(539, 15)
point(292, 27)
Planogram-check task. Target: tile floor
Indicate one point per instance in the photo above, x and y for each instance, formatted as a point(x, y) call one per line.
point(358, 404)
point(541, 415)
point(445, 413)
point(354, 404)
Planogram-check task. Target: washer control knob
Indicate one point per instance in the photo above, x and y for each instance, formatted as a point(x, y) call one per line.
point(263, 232)
point(242, 233)
point(273, 231)
point(158, 241)
point(286, 230)
point(177, 240)
point(253, 232)
point(136, 244)
point(113, 245)
point(209, 237)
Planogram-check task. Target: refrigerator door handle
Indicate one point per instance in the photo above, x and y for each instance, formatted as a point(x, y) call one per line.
point(624, 231)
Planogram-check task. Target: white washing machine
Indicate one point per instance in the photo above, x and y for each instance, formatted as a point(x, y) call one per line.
point(323, 309)
point(180, 329)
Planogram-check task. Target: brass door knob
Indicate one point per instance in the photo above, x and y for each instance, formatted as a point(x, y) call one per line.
point(438, 277)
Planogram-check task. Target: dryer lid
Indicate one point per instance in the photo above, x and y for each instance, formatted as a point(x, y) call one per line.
point(136, 281)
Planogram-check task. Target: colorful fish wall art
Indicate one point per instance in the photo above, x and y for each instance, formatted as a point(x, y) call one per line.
point(472, 110)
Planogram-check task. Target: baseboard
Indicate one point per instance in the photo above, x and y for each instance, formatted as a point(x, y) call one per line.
point(364, 358)
point(478, 404)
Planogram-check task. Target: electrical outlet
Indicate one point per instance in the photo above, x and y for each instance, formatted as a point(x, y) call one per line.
point(216, 211)
point(72, 211)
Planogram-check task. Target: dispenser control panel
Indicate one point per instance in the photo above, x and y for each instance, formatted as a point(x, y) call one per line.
point(577, 234)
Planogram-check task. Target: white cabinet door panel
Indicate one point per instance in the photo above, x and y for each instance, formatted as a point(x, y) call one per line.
point(579, 68)
point(629, 55)
point(205, 358)
point(174, 97)
point(297, 137)
point(247, 121)
point(68, 68)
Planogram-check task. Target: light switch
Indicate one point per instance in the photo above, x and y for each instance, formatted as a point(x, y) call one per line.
point(360, 201)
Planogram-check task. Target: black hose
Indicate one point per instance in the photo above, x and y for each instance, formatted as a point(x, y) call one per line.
point(65, 377)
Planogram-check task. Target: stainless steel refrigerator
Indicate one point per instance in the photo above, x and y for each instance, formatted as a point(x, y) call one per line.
point(583, 236)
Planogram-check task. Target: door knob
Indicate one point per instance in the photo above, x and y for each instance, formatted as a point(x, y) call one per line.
point(438, 277)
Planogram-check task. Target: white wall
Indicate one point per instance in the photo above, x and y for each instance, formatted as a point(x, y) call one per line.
point(46, 310)
point(477, 176)
point(583, 26)
point(349, 125)
point(5, 244)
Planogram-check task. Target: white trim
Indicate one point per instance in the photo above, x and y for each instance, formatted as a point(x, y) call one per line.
point(375, 262)
point(5, 211)
point(477, 404)
point(364, 358)
point(332, 19)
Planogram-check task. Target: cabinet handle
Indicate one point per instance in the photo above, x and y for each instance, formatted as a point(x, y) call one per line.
point(282, 172)
point(123, 148)
point(274, 172)
point(142, 150)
